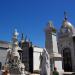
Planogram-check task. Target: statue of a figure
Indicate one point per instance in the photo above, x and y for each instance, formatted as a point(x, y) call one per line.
point(45, 63)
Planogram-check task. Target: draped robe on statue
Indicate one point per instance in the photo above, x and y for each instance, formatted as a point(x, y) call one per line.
point(45, 63)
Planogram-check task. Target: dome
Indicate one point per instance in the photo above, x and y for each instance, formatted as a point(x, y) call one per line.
point(67, 24)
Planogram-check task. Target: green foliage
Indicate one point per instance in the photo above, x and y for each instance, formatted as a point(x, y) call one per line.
point(54, 30)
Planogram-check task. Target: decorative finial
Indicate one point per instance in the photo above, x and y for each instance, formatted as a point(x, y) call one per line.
point(22, 38)
point(50, 23)
point(65, 15)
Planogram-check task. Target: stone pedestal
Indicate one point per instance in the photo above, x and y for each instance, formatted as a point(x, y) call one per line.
point(56, 61)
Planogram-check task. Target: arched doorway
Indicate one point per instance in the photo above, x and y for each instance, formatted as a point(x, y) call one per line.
point(67, 63)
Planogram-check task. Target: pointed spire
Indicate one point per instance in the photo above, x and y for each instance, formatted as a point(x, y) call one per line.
point(15, 38)
point(15, 34)
point(22, 38)
point(65, 15)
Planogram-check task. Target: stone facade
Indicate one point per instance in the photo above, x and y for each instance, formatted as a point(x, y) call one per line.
point(66, 42)
point(37, 51)
point(52, 48)
point(29, 55)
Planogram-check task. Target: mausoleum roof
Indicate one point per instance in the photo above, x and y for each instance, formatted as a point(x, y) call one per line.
point(67, 24)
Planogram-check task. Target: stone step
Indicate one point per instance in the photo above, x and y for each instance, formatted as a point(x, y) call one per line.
point(34, 74)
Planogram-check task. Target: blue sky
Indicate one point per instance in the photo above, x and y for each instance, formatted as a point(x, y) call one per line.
point(31, 17)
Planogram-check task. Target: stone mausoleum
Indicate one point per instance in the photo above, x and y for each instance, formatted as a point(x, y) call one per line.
point(66, 44)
